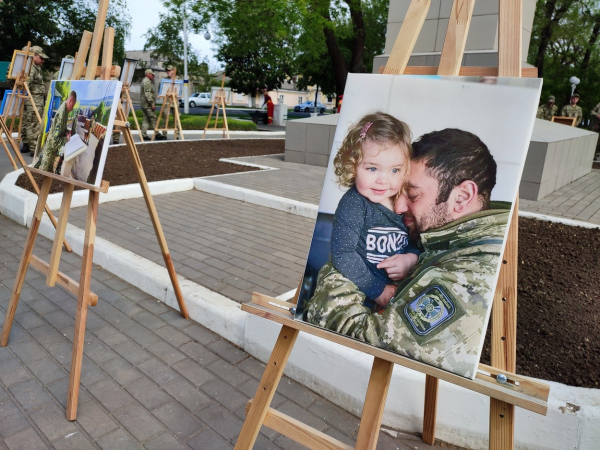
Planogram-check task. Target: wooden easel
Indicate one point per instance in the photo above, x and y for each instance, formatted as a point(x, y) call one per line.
point(518, 391)
point(170, 100)
point(18, 92)
point(126, 99)
point(85, 297)
point(219, 102)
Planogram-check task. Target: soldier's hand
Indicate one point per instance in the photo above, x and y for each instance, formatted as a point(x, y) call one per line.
point(387, 294)
point(398, 267)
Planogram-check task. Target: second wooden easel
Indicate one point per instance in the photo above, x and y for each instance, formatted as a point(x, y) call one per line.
point(20, 91)
point(170, 102)
point(128, 104)
point(518, 391)
point(219, 102)
point(85, 297)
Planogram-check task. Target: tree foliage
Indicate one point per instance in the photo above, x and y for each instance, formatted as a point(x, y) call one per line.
point(338, 37)
point(166, 41)
point(564, 43)
point(255, 40)
point(57, 26)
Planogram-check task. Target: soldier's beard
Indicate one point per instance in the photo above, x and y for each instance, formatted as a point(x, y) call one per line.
point(437, 216)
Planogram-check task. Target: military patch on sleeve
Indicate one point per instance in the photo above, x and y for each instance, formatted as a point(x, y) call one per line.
point(430, 312)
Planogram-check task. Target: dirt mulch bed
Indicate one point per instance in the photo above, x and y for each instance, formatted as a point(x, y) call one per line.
point(558, 312)
point(559, 266)
point(175, 159)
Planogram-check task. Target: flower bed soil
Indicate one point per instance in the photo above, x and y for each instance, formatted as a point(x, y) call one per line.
point(177, 159)
point(558, 314)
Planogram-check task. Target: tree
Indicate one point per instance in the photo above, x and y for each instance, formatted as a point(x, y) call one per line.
point(255, 41)
point(564, 44)
point(337, 38)
point(57, 26)
point(166, 41)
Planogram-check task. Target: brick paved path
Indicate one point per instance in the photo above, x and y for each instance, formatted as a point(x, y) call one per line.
point(579, 200)
point(229, 246)
point(150, 379)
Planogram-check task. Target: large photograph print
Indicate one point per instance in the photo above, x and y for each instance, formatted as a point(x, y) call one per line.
point(414, 213)
point(78, 118)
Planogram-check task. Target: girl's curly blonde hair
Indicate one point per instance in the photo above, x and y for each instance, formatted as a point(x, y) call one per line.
point(383, 129)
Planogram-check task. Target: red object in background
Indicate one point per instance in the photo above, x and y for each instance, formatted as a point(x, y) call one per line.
point(270, 107)
point(339, 108)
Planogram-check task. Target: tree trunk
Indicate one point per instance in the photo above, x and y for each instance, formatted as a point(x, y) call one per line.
point(339, 64)
point(358, 45)
point(591, 44)
point(552, 15)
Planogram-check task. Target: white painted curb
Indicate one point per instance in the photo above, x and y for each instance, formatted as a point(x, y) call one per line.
point(256, 197)
point(212, 310)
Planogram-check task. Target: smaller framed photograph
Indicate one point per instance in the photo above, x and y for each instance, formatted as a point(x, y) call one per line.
point(128, 70)
point(66, 69)
point(16, 65)
point(14, 108)
point(166, 83)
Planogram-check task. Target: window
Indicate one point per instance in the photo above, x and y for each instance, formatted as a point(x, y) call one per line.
point(300, 100)
point(281, 98)
point(329, 99)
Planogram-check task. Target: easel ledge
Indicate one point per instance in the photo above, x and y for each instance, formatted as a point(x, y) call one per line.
point(102, 188)
point(519, 390)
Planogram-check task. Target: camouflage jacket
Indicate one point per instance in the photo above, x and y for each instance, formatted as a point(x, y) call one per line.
point(438, 313)
point(546, 113)
point(37, 85)
point(595, 125)
point(147, 97)
point(57, 134)
point(572, 111)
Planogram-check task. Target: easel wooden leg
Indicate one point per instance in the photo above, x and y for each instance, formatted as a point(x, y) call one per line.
point(82, 305)
point(27, 252)
point(226, 130)
point(12, 161)
point(208, 120)
point(266, 388)
point(162, 242)
point(430, 410)
point(60, 234)
point(370, 423)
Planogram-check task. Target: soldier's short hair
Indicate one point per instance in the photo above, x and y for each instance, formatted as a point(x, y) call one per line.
point(73, 95)
point(383, 128)
point(453, 156)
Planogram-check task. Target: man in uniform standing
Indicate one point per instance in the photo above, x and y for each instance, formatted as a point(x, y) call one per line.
point(572, 110)
point(58, 134)
point(438, 311)
point(548, 110)
point(37, 87)
point(147, 102)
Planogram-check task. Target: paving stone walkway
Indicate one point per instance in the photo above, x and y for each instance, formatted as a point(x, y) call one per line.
point(579, 200)
point(229, 246)
point(150, 379)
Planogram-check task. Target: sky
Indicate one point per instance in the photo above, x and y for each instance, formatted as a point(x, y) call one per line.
point(144, 15)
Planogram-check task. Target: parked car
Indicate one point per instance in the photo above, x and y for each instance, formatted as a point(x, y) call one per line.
point(197, 99)
point(310, 107)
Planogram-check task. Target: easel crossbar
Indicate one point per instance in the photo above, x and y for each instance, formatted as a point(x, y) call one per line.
point(529, 394)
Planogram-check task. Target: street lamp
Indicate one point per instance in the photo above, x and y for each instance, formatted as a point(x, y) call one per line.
point(186, 82)
point(574, 82)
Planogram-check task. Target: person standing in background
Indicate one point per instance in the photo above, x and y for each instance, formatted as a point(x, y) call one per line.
point(37, 87)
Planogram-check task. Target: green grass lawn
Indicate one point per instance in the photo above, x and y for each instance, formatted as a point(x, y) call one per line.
point(195, 122)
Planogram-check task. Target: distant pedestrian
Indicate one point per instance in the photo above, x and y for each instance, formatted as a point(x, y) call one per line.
point(147, 103)
point(547, 110)
point(270, 107)
point(30, 130)
point(572, 110)
point(339, 107)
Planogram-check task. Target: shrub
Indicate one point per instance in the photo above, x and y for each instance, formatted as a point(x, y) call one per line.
point(195, 122)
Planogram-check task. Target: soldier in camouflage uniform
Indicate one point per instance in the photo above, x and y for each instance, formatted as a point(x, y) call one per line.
point(30, 130)
point(438, 312)
point(572, 110)
point(58, 134)
point(548, 110)
point(147, 102)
